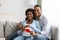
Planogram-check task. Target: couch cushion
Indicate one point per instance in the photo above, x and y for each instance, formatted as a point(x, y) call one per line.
point(10, 27)
point(1, 30)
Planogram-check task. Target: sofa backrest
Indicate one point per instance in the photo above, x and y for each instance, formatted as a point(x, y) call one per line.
point(10, 27)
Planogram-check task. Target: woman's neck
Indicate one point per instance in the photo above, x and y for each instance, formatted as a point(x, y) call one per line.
point(29, 21)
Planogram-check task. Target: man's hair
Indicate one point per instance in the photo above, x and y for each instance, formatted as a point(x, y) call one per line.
point(37, 6)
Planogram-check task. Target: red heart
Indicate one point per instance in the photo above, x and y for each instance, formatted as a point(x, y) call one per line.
point(27, 30)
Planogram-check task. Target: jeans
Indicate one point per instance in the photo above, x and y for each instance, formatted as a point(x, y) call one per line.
point(23, 38)
point(40, 37)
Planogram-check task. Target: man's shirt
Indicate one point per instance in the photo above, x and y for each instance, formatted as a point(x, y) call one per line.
point(45, 26)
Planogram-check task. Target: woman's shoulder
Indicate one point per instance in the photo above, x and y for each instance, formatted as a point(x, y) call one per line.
point(36, 21)
point(23, 21)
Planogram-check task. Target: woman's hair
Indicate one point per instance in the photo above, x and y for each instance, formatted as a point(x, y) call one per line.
point(30, 10)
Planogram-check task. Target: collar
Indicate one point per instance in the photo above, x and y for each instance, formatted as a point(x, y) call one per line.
point(39, 17)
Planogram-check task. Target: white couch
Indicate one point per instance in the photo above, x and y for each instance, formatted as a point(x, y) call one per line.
point(10, 27)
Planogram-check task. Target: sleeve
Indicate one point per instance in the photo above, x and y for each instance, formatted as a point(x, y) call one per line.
point(46, 29)
point(45, 21)
point(23, 23)
point(37, 27)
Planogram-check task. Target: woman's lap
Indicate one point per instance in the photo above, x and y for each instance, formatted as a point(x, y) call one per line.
point(37, 37)
point(22, 38)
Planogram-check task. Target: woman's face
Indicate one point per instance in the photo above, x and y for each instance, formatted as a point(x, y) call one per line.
point(29, 15)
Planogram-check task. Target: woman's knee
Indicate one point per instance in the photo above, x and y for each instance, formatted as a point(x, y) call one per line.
point(42, 37)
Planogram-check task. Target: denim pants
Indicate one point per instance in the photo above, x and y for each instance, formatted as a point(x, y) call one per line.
point(23, 38)
point(40, 37)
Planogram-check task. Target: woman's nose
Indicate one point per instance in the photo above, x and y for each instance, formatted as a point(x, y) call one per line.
point(29, 15)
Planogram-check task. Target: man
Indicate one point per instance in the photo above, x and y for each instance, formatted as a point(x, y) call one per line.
point(44, 25)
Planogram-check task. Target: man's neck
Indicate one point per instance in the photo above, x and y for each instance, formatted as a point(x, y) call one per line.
point(38, 18)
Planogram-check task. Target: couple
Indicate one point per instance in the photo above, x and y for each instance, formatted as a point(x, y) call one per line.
point(37, 25)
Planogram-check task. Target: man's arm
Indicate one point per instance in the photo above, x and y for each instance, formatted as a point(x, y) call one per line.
point(46, 29)
point(45, 21)
point(37, 28)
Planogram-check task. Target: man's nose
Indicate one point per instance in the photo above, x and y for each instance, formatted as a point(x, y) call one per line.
point(35, 11)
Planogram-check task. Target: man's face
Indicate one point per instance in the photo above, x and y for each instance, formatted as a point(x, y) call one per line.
point(37, 11)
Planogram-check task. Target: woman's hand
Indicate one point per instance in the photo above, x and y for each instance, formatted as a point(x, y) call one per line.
point(27, 25)
point(19, 26)
point(23, 29)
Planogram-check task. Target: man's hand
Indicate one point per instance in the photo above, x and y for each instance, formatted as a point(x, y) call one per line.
point(32, 33)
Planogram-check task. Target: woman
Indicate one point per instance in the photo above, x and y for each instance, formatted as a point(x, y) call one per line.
point(29, 23)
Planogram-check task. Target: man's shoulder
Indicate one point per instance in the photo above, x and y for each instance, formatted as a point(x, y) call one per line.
point(43, 18)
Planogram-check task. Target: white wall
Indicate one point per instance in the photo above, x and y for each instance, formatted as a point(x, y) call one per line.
point(13, 10)
point(51, 9)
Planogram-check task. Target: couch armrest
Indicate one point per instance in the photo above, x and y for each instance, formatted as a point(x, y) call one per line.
point(1, 30)
point(54, 33)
